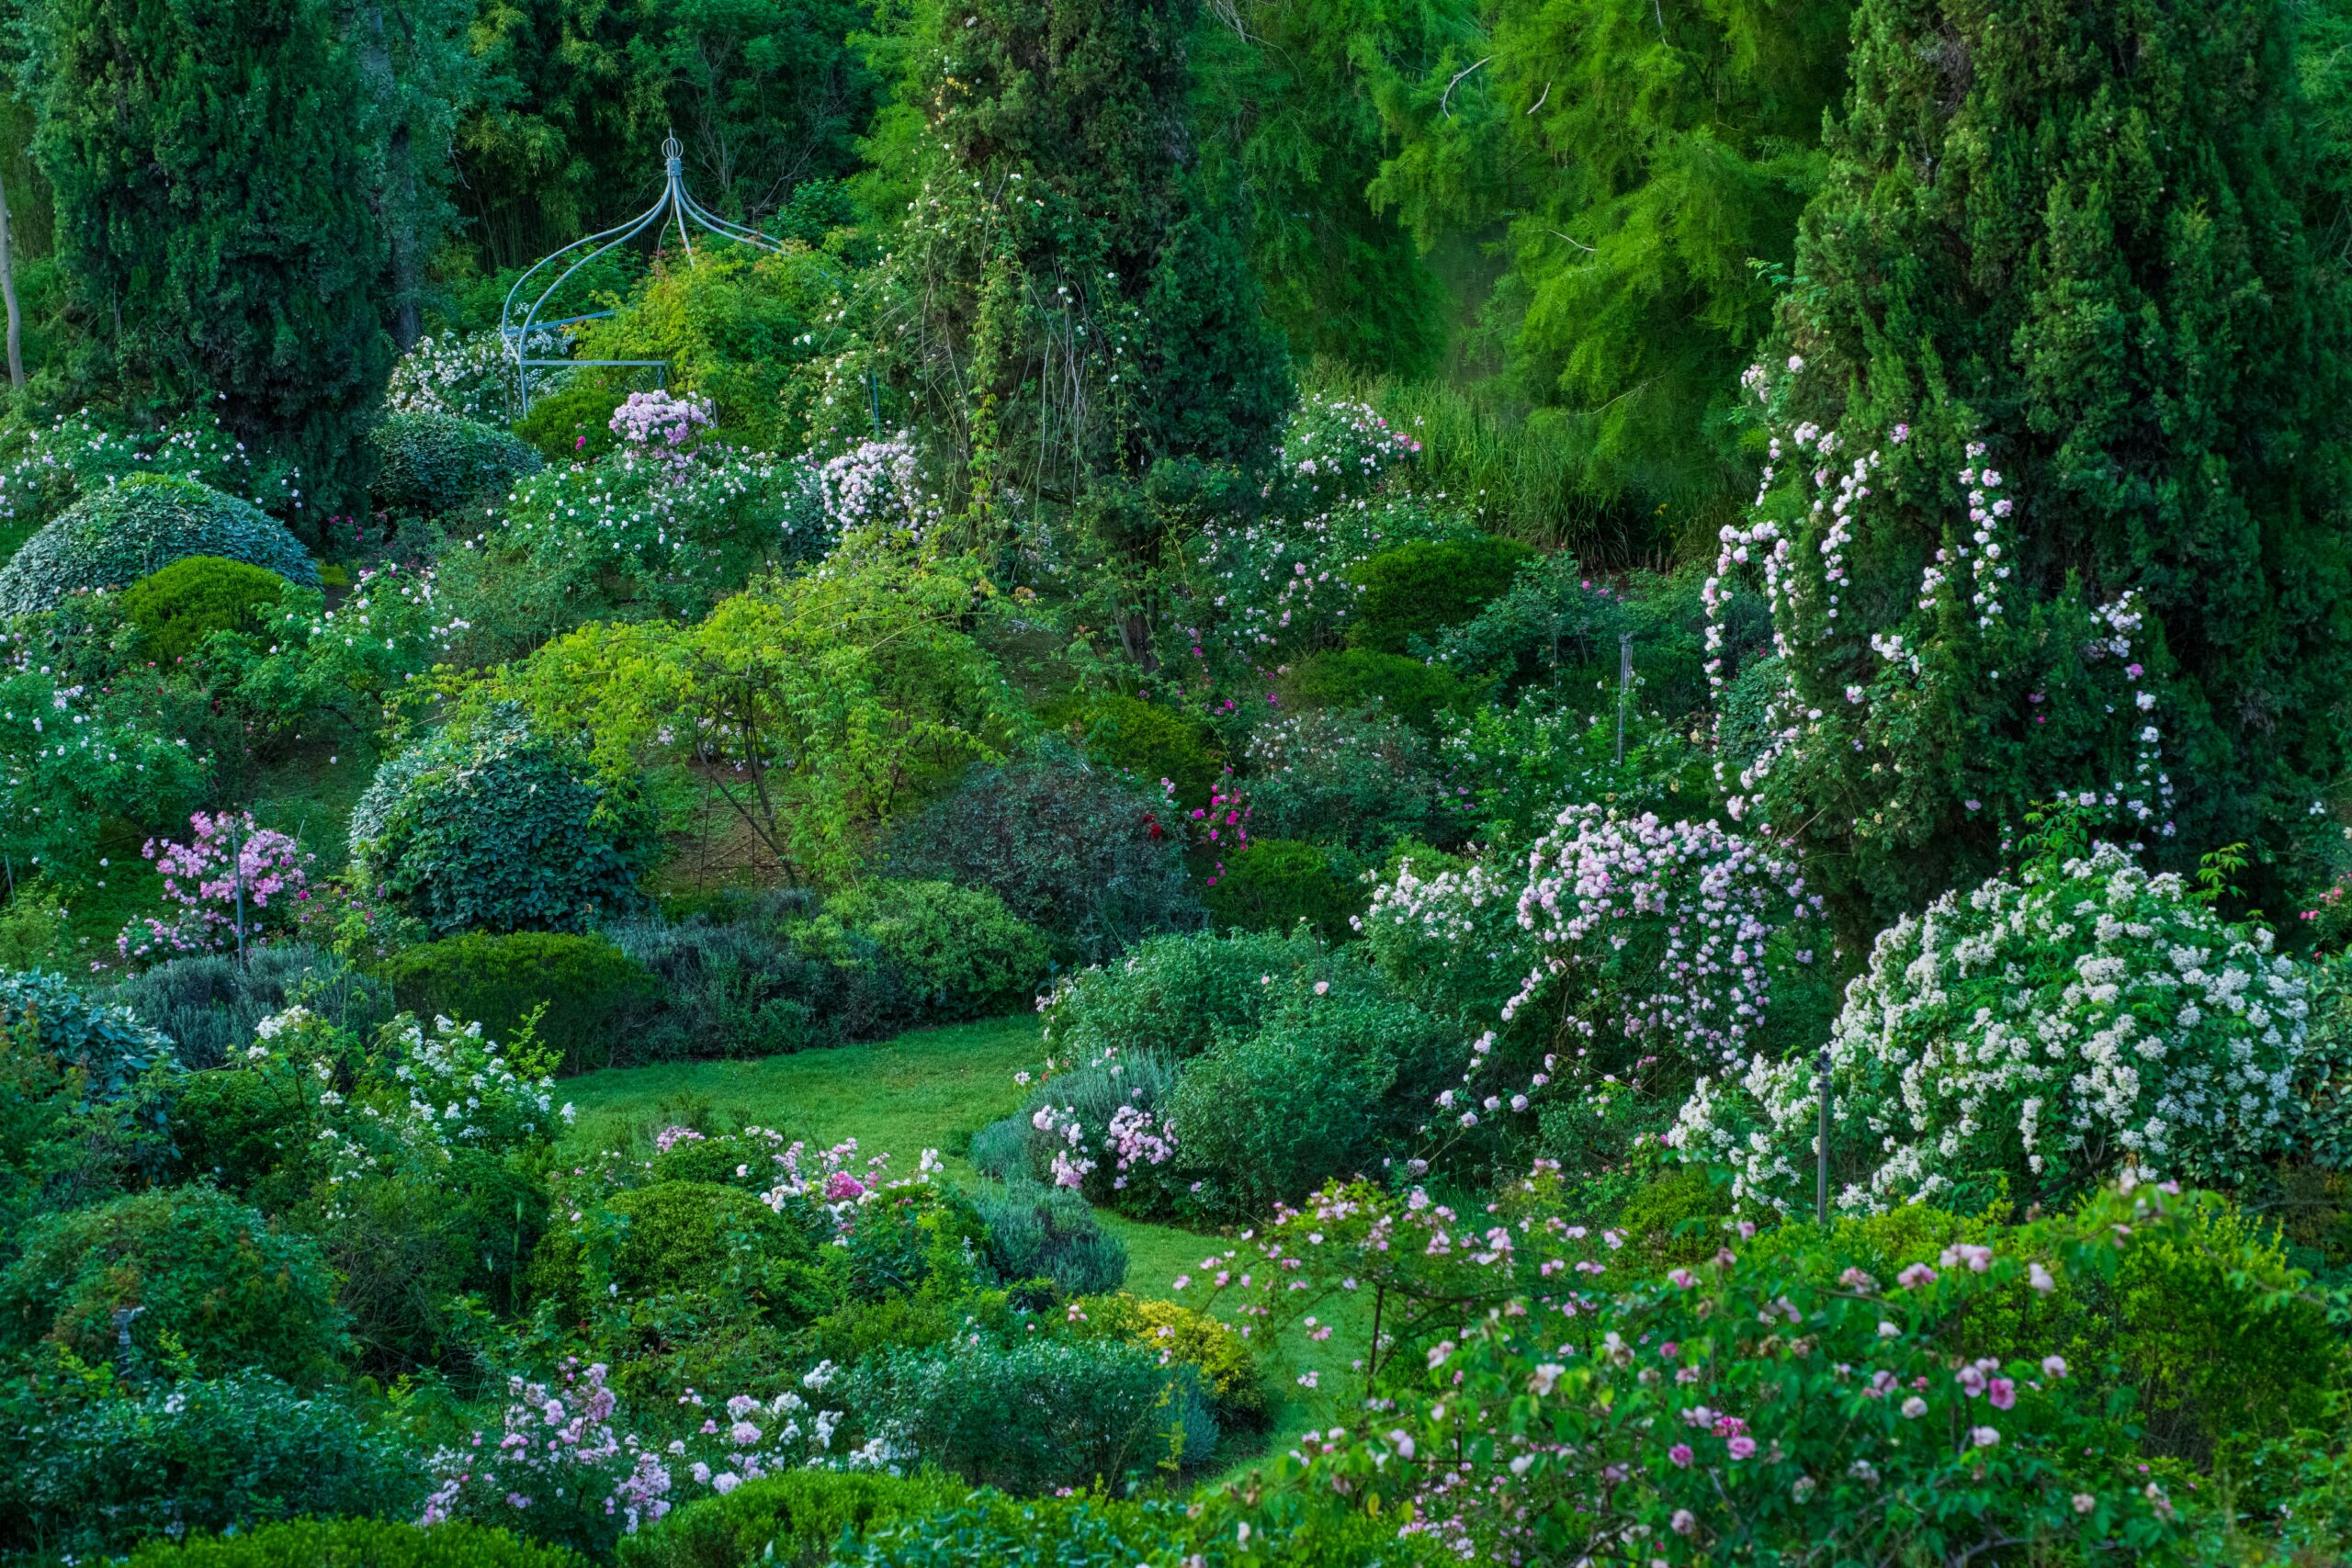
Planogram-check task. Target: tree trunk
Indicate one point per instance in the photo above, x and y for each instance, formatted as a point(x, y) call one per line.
point(9, 296)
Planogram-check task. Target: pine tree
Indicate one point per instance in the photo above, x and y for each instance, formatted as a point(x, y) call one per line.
point(215, 230)
point(2059, 391)
point(1064, 309)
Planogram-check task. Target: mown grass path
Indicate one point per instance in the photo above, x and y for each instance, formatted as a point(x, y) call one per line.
point(931, 1089)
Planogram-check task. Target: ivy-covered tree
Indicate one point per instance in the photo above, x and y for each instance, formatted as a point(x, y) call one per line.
point(1063, 308)
point(2060, 400)
point(1641, 160)
point(214, 227)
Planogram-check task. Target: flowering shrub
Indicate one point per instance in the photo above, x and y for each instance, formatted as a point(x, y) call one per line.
point(119, 535)
point(1624, 943)
point(2038, 1032)
point(565, 1467)
point(663, 428)
point(360, 661)
point(78, 455)
point(1334, 447)
point(468, 375)
point(222, 883)
point(878, 485)
point(1360, 783)
point(1513, 766)
point(1750, 1408)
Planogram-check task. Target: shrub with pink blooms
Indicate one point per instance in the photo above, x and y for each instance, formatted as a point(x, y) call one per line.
point(1541, 1402)
point(232, 886)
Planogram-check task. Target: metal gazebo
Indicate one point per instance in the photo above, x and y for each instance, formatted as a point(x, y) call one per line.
point(525, 334)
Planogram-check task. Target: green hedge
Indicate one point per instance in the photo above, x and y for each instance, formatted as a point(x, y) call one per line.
point(357, 1543)
point(588, 985)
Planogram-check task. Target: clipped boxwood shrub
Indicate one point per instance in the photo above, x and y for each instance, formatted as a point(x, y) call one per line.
point(793, 1521)
point(188, 1262)
point(138, 525)
point(436, 463)
point(176, 608)
point(1424, 585)
point(1360, 678)
point(588, 985)
point(359, 1543)
point(1273, 883)
point(490, 824)
point(575, 421)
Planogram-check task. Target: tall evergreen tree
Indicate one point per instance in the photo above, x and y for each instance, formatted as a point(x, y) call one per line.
point(214, 220)
point(2061, 389)
point(1063, 307)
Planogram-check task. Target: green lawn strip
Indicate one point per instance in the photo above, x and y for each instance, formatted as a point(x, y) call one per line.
point(932, 1088)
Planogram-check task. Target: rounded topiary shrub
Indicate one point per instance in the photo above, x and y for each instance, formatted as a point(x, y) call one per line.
point(587, 985)
point(176, 608)
point(1424, 585)
point(1361, 679)
point(1152, 742)
point(489, 825)
point(141, 525)
point(434, 463)
point(188, 1262)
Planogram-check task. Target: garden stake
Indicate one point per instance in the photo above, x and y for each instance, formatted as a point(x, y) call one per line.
point(1821, 1167)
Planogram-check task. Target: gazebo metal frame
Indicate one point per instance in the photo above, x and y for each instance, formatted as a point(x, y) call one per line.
point(675, 203)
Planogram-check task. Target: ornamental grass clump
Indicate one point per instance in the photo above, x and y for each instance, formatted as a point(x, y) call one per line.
point(2027, 1039)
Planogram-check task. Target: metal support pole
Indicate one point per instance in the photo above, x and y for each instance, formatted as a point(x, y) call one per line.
point(1625, 688)
point(1821, 1168)
point(237, 856)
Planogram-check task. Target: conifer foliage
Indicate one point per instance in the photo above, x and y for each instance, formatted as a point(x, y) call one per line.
point(1063, 300)
point(214, 226)
point(2055, 509)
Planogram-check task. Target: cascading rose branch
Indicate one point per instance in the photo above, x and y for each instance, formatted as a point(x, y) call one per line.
point(1656, 939)
point(2046, 1030)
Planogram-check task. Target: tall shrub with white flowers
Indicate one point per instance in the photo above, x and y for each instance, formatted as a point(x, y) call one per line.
point(2032, 1035)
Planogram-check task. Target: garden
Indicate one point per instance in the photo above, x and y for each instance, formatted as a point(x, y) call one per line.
point(1175, 786)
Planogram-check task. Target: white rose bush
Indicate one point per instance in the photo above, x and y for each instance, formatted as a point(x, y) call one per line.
point(2024, 1039)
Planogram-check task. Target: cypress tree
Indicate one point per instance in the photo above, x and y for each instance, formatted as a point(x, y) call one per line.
point(1063, 305)
point(215, 230)
point(2059, 403)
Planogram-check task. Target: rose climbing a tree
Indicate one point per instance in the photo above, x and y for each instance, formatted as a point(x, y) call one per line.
point(2057, 404)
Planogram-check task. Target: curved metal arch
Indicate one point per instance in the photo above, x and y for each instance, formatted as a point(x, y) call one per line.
point(675, 202)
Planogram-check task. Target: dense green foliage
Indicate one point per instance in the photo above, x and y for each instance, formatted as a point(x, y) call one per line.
point(433, 463)
point(138, 527)
point(176, 608)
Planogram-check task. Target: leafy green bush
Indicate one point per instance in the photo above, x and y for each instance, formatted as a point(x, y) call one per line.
point(1173, 996)
point(357, 1543)
point(206, 1005)
point(1034, 1414)
point(176, 608)
point(1050, 1233)
point(103, 1039)
point(1273, 883)
point(1068, 845)
point(1676, 1219)
point(1228, 1371)
point(589, 986)
point(1355, 679)
point(433, 464)
point(185, 1263)
point(90, 1464)
point(1331, 1085)
point(1424, 585)
point(1062, 1532)
point(1150, 742)
point(572, 422)
point(138, 526)
point(961, 954)
point(1357, 782)
point(684, 1237)
point(732, 989)
point(794, 1520)
point(489, 824)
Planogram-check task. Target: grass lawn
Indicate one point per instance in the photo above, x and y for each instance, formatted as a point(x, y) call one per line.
point(933, 1089)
